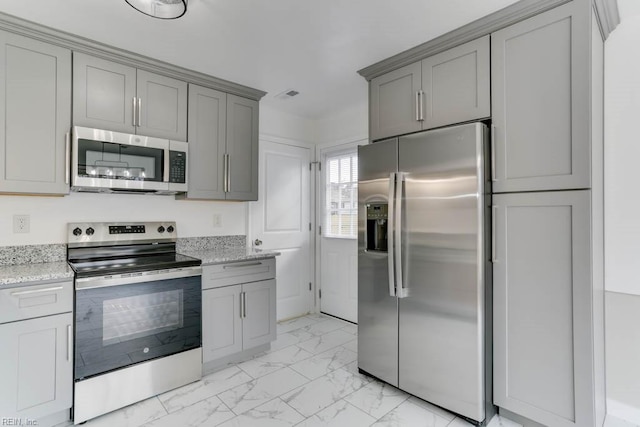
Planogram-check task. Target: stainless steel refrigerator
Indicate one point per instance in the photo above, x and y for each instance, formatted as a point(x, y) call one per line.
point(424, 285)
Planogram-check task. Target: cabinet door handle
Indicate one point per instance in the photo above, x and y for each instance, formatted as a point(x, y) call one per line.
point(244, 304)
point(494, 211)
point(251, 264)
point(36, 291)
point(69, 342)
point(421, 105)
point(225, 178)
point(493, 153)
point(139, 112)
point(135, 110)
point(227, 173)
point(417, 106)
point(67, 155)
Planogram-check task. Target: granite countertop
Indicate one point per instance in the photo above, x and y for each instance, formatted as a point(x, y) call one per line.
point(17, 274)
point(28, 265)
point(218, 256)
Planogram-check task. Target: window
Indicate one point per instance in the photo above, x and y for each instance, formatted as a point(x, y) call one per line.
point(341, 199)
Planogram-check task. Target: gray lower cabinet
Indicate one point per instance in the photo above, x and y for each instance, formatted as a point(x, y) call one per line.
point(223, 146)
point(544, 345)
point(540, 101)
point(36, 355)
point(35, 116)
point(237, 318)
point(221, 322)
point(238, 307)
point(112, 96)
point(446, 88)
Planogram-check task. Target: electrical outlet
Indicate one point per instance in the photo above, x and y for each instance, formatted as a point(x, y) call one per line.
point(217, 220)
point(21, 223)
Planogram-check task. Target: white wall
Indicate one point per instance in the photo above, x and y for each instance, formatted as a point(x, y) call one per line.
point(283, 125)
point(622, 219)
point(49, 215)
point(344, 126)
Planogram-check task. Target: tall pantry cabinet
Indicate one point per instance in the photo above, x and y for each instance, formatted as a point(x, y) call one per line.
point(546, 111)
point(547, 84)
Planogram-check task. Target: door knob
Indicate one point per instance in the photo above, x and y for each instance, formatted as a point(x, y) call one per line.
point(257, 242)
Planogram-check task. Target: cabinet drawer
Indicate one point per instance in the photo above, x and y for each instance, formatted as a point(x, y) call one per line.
point(214, 276)
point(34, 301)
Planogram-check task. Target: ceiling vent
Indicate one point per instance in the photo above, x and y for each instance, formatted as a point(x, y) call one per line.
point(287, 94)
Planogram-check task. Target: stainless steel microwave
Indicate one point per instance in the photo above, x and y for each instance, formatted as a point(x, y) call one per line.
point(106, 161)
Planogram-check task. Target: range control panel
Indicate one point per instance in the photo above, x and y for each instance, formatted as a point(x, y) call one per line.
point(101, 233)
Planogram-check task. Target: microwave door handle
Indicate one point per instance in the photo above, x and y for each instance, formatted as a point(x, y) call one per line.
point(165, 172)
point(390, 232)
point(67, 157)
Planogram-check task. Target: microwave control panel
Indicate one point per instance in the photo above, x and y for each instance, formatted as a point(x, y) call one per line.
point(178, 166)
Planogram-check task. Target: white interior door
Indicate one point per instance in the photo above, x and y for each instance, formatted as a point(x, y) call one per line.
point(338, 213)
point(280, 220)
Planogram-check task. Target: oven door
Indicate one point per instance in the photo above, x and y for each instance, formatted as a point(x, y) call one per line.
point(127, 320)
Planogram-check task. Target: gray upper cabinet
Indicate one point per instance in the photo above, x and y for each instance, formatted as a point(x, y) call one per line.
point(223, 146)
point(455, 85)
point(103, 93)
point(543, 339)
point(446, 88)
point(35, 116)
point(242, 148)
point(207, 143)
point(393, 102)
point(540, 102)
point(112, 96)
point(162, 106)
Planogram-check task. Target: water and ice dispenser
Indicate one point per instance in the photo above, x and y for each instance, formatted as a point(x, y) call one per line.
point(377, 221)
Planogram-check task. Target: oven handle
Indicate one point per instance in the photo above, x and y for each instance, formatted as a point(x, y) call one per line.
point(139, 277)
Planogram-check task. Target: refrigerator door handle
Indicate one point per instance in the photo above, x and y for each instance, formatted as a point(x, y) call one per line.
point(401, 291)
point(390, 234)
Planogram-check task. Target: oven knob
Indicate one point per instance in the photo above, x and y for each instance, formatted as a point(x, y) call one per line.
point(161, 229)
point(90, 231)
point(77, 231)
point(170, 229)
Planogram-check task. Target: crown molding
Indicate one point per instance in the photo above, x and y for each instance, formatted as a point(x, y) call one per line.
point(481, 27)
point(80, 44)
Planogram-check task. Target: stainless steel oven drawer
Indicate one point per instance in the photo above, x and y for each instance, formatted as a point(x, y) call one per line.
point(27, 302)
point(215, 276)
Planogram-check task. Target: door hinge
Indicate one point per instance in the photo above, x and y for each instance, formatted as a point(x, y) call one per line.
point(309, 285)
point(320, 230)
point(309, 226)
point(319, 293)
point(315, 163)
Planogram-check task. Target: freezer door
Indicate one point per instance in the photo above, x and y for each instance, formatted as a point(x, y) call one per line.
point(377, 308)
point(441, 316)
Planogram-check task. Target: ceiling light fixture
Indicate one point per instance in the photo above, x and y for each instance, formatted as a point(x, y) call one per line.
point(163, 9)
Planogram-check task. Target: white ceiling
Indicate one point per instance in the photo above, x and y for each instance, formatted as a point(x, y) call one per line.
point(315, 47)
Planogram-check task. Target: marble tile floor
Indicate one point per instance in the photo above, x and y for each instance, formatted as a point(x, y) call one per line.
point(308, 378)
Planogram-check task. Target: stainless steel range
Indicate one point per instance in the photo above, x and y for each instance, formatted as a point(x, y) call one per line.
point(138, 307)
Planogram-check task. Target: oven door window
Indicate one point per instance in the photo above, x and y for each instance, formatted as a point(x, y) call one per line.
point(108, 160)
point(119, 326)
